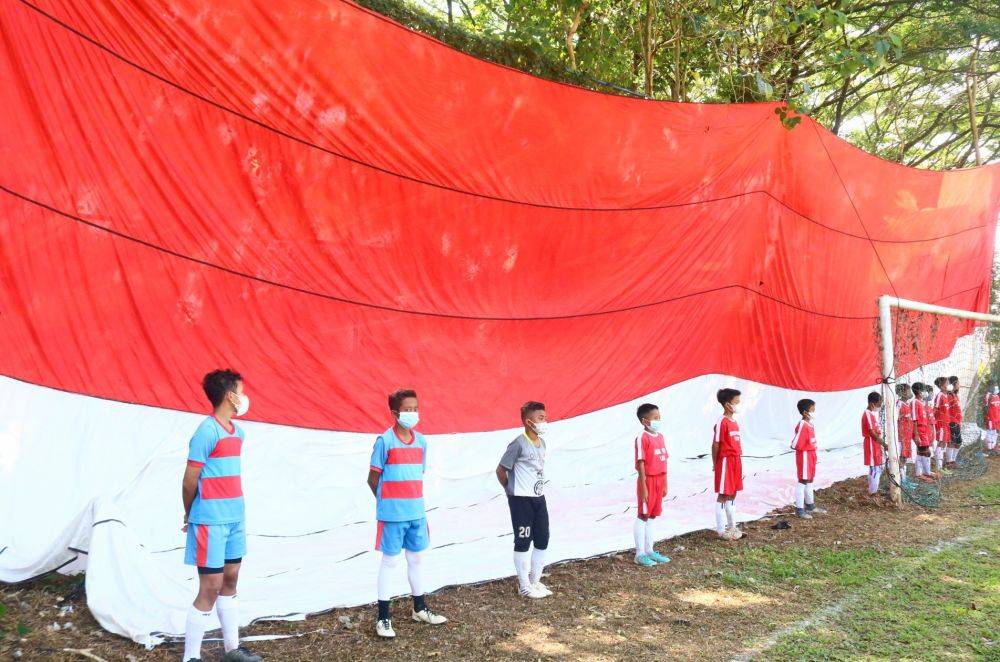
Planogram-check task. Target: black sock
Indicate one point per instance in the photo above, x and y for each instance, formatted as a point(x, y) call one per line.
point(418, 603)
point(383, 610)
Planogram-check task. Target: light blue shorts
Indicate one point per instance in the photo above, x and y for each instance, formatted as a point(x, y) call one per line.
point(412, 535)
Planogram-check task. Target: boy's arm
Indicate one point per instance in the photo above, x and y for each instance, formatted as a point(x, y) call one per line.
point(373, 478)
point(642, 480)
point(189, 488)
point(502, 475)
point(715, 452)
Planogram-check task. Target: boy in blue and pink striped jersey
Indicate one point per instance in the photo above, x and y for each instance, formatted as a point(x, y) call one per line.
point(214, 516)
point(396, 478)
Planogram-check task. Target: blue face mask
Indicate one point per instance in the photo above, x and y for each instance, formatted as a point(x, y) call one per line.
point(409, 419)
point(654, 426)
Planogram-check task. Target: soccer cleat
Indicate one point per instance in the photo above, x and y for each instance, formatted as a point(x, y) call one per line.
point(659, 558)
point(735, 533)
point(531, 592)
point(644, 561)
point(383, 628)
point(241, 654)
point(425, 615)
point(542, 588)
point(802, 514)
point(816, 510)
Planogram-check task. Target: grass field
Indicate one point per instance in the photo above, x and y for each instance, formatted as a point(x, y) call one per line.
point(860, 583)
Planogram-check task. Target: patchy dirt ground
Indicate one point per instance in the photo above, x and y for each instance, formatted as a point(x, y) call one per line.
point(604, 609)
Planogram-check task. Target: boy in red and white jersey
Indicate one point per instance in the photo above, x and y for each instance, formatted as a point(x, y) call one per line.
point(942, 420)
point(904, 427)
point(871, 431)
point(804, 445)
point(955, 411)
point(922, 432)
point(991, 407)
point(728, 463)
point(651, 486)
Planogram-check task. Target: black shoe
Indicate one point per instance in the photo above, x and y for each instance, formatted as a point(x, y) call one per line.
point(241, 655)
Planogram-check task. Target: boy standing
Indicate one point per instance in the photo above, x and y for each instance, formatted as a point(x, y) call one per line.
point(396, 478)
point(992, 415)
point(871, 431)
point(956, 421)
point(942, 420)
point(904, 427)
point(522, 473)
point(728, 465)
point(804, 445)
point(922, 434)
point(651, 486)
point(214, 516)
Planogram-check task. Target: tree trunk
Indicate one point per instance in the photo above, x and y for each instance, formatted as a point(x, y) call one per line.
point(678, 26)
point(970, 87)
point(571, 28)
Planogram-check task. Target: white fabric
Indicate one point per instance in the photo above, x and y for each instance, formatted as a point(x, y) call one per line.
point(413, 575)
point(639, 535)
point(800, 496)
point(649, 538)
point(522, 562)
point(90, 483)
point(196, 624)
point(874, 475)
point(809, 498)
point(227, 607)
point(730, 513)
point(720, 517)
point(537, 565)
point(386, 571)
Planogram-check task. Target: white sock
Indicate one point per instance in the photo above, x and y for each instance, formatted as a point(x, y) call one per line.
point(927, 464)
point(413, 573)
point(385, 571)
point(809, 495)
point(800, 496)
point(537, 565)
point(954, 454)
point(720, 518)
point(639, 534)
point(228, 609)
point(521, 562)
point(918, 466)
point(730, 513)
point(649, 537)
point(194, 632)
point(902, 471)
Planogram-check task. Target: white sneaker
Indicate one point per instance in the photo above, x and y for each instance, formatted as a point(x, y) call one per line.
point(735, 533)
point(532, 592)
point(541, 588)
point(383, 628)
point(427, 616)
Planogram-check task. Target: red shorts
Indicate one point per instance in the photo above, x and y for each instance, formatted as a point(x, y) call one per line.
point(729, 475)
point(906, 447)
point(943, 434)
point(655, 488)
point(805, 465)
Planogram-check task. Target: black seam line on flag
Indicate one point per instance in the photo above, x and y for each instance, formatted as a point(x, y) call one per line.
point(424, 313)
point(861, 221)
point(445, 187)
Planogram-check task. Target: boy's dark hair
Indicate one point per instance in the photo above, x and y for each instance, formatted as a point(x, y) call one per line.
point(645, 409)
point(805, 404)
point(918, 387)
point(218, 383)
point(874, 398)
point(939, 381)
point(396, 397)
point(953, 379)
point(529, 407)
point(902, 388)
point(726, 395)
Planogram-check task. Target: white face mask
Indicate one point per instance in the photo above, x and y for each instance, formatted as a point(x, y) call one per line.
point(541, 428)
point(734, 411)
point(812, 416)
point(242, 404)
point(655, 425)
point(996, 389)
point(949, 388)
point(409, 419)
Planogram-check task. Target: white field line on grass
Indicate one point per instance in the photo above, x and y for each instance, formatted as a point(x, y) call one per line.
point(827, 613)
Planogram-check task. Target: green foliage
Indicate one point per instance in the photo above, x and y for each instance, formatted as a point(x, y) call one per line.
point(889, 76)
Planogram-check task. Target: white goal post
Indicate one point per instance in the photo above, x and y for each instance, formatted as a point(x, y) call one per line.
point(885, 305)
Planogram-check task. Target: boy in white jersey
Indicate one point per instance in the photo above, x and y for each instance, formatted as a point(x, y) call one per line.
point(651, 485)
point(212, 491)
point(521, 472)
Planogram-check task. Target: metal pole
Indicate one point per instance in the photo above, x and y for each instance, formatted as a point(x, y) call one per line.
point(885, 305)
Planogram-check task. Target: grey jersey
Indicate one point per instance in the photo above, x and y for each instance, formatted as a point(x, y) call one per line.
point(525, 464)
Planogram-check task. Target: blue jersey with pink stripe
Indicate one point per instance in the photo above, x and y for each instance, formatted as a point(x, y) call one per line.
point(400, 493)
point(216, 449)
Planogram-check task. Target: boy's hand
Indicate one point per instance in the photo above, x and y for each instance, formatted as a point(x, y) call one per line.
point(645, 493)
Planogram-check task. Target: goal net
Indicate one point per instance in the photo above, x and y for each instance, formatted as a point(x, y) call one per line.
point(935, 413)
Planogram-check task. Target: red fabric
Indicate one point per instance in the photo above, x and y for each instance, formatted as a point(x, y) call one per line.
point(805, 465)
point(804, 438)
point(905, 424)
point(221, 487)
point(227, 447)
point(402, 489)
point(956, 408)
point(871, 430)
point(201, 544)
point(652, 450)
point(336, 207)
point(729, 475)
point(405, 456)
point(726, 433)
point(656, 488)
